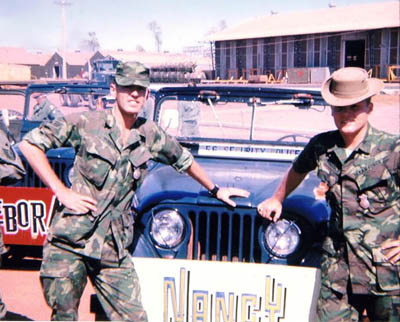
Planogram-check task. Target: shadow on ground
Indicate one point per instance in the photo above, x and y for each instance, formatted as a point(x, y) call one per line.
point(21, 264)
point(11, 316)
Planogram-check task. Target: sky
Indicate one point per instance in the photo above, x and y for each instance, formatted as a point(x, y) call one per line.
point(124, 24)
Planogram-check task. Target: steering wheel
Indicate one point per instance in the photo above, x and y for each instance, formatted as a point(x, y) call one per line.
point(293, 137)
point(13, 115)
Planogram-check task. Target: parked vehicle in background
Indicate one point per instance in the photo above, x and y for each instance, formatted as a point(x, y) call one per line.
point(104, 70)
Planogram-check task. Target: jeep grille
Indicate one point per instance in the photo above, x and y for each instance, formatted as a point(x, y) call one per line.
point(32, 180)
point(223, 235)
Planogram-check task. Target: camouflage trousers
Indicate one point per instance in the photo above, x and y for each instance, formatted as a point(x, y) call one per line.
point(334, 307)
point(63, 275)
point(3, 309)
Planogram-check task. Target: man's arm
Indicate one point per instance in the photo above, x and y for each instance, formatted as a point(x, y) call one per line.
point(223, 194)
point(271, 208)
point(40, 164)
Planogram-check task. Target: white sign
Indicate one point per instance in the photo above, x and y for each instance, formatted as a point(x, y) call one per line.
point(267, 152)
point(183, 290)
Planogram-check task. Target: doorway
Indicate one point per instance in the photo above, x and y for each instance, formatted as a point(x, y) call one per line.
point(56, 72)
point(354, 53)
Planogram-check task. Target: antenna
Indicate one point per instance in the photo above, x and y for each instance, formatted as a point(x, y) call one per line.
point(63, 4)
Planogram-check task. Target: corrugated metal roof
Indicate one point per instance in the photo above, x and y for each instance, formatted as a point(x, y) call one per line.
point(77, 58)
point(20, 56)
point(335, 19)
point(152, 59)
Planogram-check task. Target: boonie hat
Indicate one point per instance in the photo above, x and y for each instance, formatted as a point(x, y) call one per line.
point(132, 73)
point(348, 86)
point(37, 95)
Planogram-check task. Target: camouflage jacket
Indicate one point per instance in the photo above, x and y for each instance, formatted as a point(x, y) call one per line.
point(107, 171)
point(45, 112)
point(364, 194)
point(11, 167)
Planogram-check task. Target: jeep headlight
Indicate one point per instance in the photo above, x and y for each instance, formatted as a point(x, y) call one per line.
point(68, 175)
point(167, 228)
point(282, 238)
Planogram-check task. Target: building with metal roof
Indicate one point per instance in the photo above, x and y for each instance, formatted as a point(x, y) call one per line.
point(366, 35)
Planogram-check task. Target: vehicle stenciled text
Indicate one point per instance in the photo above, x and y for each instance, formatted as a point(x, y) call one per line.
point(25, 215)
point(180, 301)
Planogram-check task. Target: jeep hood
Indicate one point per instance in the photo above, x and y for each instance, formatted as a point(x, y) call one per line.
point(261, 178)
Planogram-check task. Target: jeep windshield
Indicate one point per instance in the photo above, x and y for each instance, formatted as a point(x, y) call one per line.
point(64, 101)
point(240, 118)
point(252, 116)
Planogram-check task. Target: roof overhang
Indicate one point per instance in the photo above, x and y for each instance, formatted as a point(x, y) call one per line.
point(327, 20)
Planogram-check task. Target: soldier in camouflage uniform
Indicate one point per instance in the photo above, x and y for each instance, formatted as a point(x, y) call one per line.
point(44, 110)
point(360, 167)
point(11, 170)
point(92, 229)
point(189, 113)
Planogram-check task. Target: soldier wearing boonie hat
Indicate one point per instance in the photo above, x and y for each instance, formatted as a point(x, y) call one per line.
point(360, 168)
point(91, 232)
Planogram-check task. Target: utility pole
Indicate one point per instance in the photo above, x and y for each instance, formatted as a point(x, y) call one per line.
point(63, 4)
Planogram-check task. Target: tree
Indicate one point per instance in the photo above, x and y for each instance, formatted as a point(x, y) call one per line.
point(92, 43)
point(221, 26)
point(156, 30)
point(140, 48)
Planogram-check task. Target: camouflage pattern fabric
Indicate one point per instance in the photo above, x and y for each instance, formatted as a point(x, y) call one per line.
point(3, 309)
point(337, 307)
point(132, 74)
point(64, 275)
point(189, 113)
point(45, 112)
point(11, 167)
point(107, 171)
point(110, 172)
point(2, 247)
point(364, 194)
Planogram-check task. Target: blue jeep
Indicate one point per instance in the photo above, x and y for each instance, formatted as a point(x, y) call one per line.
point(243, 137)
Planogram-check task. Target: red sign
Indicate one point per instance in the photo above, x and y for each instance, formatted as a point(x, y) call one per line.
point(25, 214)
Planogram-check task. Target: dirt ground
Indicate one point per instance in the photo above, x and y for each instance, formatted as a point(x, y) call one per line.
point(21, 292)
point(386, 113)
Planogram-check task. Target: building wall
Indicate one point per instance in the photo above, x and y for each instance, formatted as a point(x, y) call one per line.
point(53, 68)
point(379, 48)
point(36, 71)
